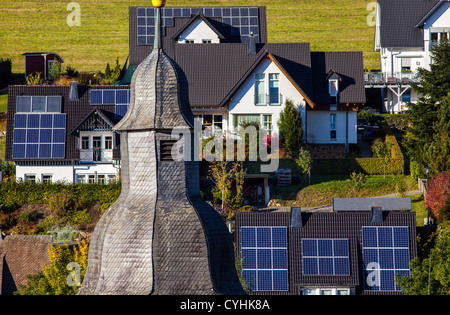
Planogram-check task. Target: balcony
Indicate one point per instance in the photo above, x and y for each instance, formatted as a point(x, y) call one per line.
point(273, 99)
point(379, 78)
point(96, 155)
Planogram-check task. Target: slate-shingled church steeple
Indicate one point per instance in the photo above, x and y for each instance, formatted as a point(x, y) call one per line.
point(160, 236)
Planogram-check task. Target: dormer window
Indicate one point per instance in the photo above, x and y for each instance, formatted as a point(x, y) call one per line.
point(333, 89)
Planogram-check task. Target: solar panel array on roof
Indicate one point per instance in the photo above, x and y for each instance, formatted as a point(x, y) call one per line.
point(119, 98)
point(325, 257)
point(385, 255)
point(242, 20)
point(39, 136)
point(265, 258)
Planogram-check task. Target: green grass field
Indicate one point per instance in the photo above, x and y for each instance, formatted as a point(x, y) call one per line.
point(31, 25)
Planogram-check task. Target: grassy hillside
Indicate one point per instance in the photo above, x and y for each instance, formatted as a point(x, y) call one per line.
point(32, 25)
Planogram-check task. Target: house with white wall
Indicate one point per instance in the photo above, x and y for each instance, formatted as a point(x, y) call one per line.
point(405, 32)
point(232, 73)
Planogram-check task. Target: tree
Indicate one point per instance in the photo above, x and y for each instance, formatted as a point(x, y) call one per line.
point(64, 274)
point(430, 276)
point(55, 70)
point(426, 136)
point(304, 162)
point(382, 150)
point(437, 194)
point(290, 127)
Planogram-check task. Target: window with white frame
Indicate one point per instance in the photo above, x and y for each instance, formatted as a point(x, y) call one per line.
point(206, 41)
point(189, 41)
point(85, 143)
point(108, 143)
point(47, 178)
point(274, 88)
point(332, 126)
point(333, 89)
point(260, 91)
point(30, 178)
point(212, 122)
point(267, 123)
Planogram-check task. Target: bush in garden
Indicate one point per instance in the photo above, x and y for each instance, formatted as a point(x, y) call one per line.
point(437, 194)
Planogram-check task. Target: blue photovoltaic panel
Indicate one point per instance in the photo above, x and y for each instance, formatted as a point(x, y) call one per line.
point(385, 254)
point(325, 257)
point(242, 20)
point(109, 96)
point(265, 259)
point(39, 136)
point(119, 98)
point(96, 97)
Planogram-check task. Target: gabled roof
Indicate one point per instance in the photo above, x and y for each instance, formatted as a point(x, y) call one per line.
point(431, 12)
point(398, 21)
point(215, 72)
point(95, 111)
point(192, 20)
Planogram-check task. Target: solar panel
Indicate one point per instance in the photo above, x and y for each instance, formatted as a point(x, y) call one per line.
point(39, 136)
point(325, 257)
point(385, 254)
point(242, 20)
point(264, 254)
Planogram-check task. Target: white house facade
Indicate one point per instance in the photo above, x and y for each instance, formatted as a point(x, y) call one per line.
point(404, 41)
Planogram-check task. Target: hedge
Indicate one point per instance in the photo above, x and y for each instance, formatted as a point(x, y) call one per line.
point(5, 72)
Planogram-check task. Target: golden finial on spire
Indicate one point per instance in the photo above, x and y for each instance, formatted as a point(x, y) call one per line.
point(158, 3)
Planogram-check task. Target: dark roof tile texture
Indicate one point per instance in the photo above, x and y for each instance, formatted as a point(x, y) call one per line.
point(21, 255)
point(348, 66)
point(328, 225)
point(398, 21)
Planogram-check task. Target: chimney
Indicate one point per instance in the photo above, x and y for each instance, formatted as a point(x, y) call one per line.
point(377, 215)
point(251, 45)
point(73, 91)
point(296, 218)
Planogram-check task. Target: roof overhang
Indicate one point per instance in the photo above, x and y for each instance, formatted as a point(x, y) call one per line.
point(263, 56)
point(43, 54)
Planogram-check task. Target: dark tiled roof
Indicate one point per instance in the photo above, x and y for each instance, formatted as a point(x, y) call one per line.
point(139, 53)
point(327, 225)
point(21, 255)
point(399, 19)
point(348, 66)
point(215, 72)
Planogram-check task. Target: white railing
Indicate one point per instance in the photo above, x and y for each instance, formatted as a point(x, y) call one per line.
point(268, 99)
point(96, 155)
point(404, 77)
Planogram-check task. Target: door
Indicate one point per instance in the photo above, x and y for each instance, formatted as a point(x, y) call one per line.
point(97, 149)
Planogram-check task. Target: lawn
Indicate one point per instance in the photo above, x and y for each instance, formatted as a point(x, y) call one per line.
point(324, 188)
point(31, 25)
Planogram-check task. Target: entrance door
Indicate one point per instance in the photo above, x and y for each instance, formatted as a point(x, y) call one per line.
point(97, 149)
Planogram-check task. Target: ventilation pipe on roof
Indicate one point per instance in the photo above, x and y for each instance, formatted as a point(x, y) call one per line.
point(296, 218)
point(73, 92)
point(377, 215)
point(251, 45)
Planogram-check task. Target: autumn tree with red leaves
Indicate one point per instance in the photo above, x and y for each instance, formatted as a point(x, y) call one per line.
point(437, 196)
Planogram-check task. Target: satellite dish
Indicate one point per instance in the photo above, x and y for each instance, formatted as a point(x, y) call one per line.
point(311, 138)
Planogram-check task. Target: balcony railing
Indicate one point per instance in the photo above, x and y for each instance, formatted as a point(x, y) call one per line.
point(96, 155)
point(268, 99)
point(404, 77)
